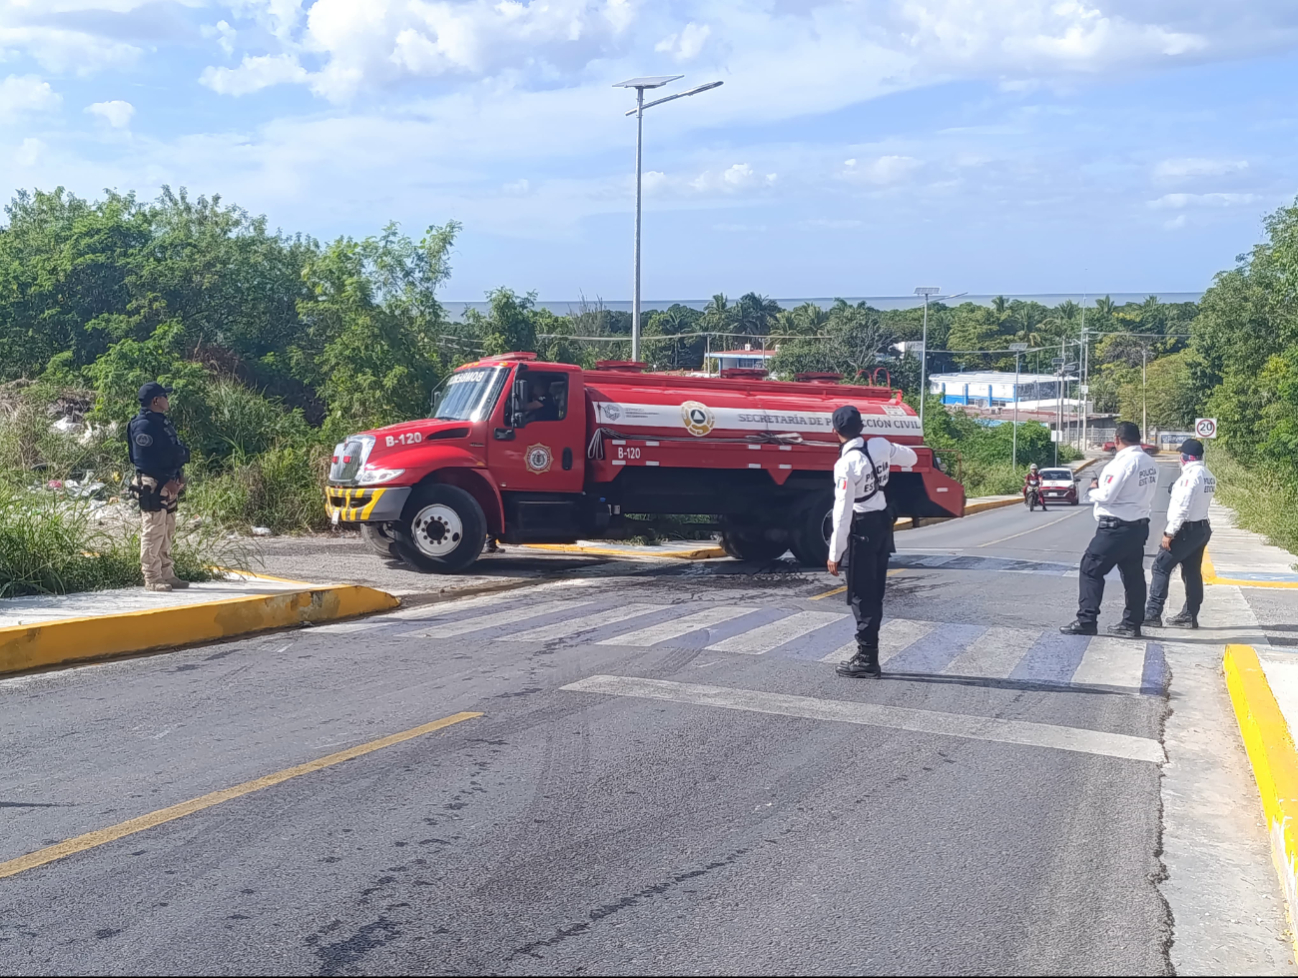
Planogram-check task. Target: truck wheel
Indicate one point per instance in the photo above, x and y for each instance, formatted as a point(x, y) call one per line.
point(813, 523)
point(378, 539)
point(751, 545)
point(442, 530)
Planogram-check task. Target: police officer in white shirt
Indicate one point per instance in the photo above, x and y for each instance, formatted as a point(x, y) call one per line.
point(1184, 539)
point(863, 531)
point(1123, 495)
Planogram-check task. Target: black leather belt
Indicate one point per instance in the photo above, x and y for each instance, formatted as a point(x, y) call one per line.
point(1109, 522)
point(1195, 523)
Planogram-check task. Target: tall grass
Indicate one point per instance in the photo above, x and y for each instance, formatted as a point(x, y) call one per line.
point(51, 544)
point(282, 488)
point(1264, 501)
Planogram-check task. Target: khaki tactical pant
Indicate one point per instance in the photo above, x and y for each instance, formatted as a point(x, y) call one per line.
point(157, 531)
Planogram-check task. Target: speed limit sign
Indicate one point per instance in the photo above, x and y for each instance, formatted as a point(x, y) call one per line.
point(1205, 427)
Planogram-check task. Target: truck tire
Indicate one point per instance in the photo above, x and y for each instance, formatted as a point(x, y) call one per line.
point(813, 522)
point(751, 545)
point(442, 530)
point(378, 539)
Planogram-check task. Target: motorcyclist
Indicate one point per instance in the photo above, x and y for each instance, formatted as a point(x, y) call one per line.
point(1032, 485)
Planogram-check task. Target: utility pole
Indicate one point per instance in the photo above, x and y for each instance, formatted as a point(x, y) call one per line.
point(1018, 349)
point(925, 291)
point(1144, 412)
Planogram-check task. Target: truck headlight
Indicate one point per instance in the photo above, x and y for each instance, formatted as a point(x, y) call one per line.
point(373, 477)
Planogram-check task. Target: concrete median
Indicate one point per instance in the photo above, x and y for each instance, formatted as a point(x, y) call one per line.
point(68, 640)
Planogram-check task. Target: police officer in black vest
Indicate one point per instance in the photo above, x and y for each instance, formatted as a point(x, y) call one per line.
point(862, 531)
point(159, 457)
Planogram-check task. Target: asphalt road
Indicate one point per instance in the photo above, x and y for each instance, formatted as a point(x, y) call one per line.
point(665, 778)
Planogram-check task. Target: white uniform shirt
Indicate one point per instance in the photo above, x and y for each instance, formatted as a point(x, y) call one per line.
point(853, 479)
point(1191, 497)
point(1127, 486)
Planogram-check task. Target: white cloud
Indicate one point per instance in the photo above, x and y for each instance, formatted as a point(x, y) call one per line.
point(20, 94)
point(1181, 201)
point(1190, 167)
point(517, 187)
point(253, 74)
point(29, 153)
point(223, 33)
point(830, 223)
point(882, 171)
point(735, 179)
point(740, 228)
point(116, 113)
point(687, 44)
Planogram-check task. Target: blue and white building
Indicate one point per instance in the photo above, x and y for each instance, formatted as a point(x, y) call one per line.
point(994, 388)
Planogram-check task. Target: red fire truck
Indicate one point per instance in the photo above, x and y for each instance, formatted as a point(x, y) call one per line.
point(530, 452)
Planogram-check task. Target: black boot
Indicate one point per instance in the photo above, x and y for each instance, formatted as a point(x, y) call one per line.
point(1123, 630)
point(1080, 628)
point(1184, 620)
point(864, 663)
point(1152, 620)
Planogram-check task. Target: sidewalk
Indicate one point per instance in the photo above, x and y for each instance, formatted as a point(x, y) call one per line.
point(1241, 570)
point(1237, 556)
point(43, 631)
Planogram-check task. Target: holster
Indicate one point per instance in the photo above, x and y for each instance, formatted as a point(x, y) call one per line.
point(150, 497)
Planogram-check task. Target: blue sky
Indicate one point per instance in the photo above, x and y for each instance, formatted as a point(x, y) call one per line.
point(858, 147)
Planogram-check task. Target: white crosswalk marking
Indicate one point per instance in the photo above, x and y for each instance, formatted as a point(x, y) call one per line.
point(466, 625)
point(1112, 662)
point(681, 626)
point(585, 623)
point(994, 653)
point(767, 637)
point(895, 635)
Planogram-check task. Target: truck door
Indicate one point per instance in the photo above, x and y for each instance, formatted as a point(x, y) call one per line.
point(538, 437)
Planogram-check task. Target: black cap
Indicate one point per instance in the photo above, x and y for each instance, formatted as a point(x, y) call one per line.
point(847, 421)
point(1192, 446)
point(151, 390)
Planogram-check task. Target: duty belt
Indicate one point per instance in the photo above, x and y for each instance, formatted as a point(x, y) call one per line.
point(1112, 521)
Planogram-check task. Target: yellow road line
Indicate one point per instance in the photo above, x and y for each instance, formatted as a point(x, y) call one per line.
point(100, 837)
point(840, 589)
point(830, 593)
point(992, 543)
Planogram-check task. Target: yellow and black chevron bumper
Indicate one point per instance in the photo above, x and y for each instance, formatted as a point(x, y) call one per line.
point(346, 504)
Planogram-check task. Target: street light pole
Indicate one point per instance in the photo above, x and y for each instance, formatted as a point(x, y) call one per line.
point(640, 84)
point(635, 289)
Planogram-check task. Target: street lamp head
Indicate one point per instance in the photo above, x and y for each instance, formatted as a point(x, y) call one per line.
point(648, 81)
point(927, 290)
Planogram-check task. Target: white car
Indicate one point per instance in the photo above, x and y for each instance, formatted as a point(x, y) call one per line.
point(1059, 485)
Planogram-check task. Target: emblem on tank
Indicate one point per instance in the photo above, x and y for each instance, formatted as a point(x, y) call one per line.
point(538, 459)
point(697, 418)
point(610, 410)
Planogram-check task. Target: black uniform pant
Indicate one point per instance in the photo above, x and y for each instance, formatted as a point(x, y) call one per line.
point(868, 549)
point(1187, 551)
point(1116, 544)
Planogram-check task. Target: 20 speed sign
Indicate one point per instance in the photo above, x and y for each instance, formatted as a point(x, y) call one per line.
point(1205, 427)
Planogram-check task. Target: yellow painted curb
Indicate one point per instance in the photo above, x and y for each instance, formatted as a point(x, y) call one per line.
point(1275, 763)
point(1210, 577)
point(78, 639)
point(703, 553)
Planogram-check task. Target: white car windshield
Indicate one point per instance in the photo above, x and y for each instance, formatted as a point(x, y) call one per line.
point(469, 394)
point(1057, 475)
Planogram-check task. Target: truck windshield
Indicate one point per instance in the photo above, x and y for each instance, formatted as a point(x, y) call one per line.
point(469, 395)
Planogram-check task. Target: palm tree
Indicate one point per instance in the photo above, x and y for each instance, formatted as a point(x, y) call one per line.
point(753, 314)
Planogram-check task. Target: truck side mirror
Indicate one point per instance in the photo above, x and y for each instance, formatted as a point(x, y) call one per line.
point(518, 404)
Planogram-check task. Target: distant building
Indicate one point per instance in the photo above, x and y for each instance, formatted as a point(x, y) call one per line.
point(994, 388)
point(745, 359)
